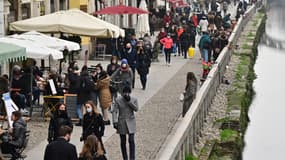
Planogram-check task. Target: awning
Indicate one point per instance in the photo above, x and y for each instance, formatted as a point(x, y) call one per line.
point(11, 53)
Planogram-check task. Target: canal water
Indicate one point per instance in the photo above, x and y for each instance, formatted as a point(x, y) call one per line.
point(265, 135)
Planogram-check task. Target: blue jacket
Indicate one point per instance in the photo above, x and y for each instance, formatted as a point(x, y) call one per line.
point(131, 57)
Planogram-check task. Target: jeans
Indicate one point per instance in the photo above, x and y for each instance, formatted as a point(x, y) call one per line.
point(174, 48)
point(143, 78)
point(79, 113)
point(167, 54)
point(36, 94)
point(8, 148)
point(205, 55)
point(184, 51)
point(134, 76)
point(131, 146)
point(20, 100)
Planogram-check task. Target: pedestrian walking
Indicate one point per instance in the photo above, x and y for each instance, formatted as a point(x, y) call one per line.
point(204, 46)
point(92, 149)
point(61, 149)
point(92, 123)
point(185, 43)
point(204, 24)
point(156, 50)
point(103, 87)
point(72, 77)
point(59, 118)
point(111, 68)
point(143, 64)
point(84, 92)
point(124, 121)
point(147, 45)
point(190, 92)
point(225, 7)
point(131, 56)
point(123, 76)
point(167, 45)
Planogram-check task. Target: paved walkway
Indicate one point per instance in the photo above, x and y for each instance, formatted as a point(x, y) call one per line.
point(159, 112)
point(159, 75)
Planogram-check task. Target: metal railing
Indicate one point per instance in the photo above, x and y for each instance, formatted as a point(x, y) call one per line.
point(186, 135)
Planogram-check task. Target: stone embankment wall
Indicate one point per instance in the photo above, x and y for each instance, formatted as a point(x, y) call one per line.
point(187, 134)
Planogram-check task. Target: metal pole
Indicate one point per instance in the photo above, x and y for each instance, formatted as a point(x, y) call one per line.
point(165, 6)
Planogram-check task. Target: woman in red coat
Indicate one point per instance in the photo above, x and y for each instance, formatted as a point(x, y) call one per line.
point(167, 43)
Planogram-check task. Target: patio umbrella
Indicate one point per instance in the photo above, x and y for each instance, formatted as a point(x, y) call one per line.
point(143, 21)
point(121, 9)
point(33, 49)
point(11, 53)
point(50, 42)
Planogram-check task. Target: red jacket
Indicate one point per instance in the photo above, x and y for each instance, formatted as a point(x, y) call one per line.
point(195, 20)
point(167, 42)
point(166, 19)
point(179, 32)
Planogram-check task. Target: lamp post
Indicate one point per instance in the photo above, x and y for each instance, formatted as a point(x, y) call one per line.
point(165, 6)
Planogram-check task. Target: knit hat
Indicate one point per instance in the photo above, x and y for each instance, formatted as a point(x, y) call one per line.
point(124, 61)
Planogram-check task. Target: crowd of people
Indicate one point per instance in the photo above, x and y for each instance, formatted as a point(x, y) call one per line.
point(110, 88)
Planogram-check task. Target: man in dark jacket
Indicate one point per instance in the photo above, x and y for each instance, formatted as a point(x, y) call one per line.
point(17, 135)
point(131, 56)
point(84, 92)
point(61, 149)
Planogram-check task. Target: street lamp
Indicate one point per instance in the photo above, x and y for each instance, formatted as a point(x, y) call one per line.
point(165, 6)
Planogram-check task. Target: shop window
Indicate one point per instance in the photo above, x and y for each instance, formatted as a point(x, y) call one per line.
point(26, 11)
point(42, 8)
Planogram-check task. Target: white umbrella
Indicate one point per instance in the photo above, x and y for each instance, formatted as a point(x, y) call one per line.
point(33, 49)
point(143, 23)
point(72, 21)
point(50, 42)
point(91, 6)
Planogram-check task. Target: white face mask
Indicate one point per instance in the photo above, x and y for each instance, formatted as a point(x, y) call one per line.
point(124, 65)
point(89, 110)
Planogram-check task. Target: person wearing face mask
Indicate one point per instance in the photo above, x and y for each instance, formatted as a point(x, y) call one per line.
point(124, 121)
point(123, 76)
point(92, 123)
point(167, 45)
point(143, 62)
point(131, 56)
point(103, 88)
point(61, 149)
point(59, 118)
point(113, 66)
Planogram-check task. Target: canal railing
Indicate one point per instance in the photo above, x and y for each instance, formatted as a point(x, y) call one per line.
point(186, 136)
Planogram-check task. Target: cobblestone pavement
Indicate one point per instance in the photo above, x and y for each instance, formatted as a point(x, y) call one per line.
point(156, 119)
